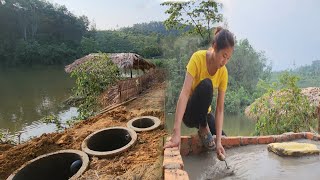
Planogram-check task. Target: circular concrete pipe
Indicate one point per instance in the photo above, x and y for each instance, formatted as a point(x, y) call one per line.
point(144, 123)
point(64, 164)
point(109, 142)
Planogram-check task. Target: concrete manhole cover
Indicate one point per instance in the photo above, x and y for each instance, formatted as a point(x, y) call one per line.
point(144, 123)
point(64, 164)
point(109, 142)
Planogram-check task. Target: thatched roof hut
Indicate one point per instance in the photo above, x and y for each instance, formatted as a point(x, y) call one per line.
point(122, 60)
point(312, 93)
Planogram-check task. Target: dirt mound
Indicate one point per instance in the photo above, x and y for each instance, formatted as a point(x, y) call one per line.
point(5, 147)
point(142, 161)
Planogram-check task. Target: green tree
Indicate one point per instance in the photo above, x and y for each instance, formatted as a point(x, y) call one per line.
point(247, 66)
point(197, 16)
point(92, 78)
point(179, 52)
point(153, 27)
point(310, 74)
point(30, 27)
point(88, 45)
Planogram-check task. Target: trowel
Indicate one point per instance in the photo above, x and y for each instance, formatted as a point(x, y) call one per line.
point(230, 170)
point(221, 157)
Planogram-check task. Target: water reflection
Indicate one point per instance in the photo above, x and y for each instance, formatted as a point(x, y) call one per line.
point(37, 128)
point(233, 125)
point(28, 94)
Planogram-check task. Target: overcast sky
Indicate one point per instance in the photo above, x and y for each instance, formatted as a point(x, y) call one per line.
point(287, 30)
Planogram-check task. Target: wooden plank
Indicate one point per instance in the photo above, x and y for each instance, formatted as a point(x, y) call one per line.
point(115, 106)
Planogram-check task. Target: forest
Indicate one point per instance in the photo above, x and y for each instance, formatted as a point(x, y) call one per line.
point(36, 32)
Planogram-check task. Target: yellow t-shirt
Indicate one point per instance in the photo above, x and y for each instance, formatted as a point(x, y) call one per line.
point(197, 68)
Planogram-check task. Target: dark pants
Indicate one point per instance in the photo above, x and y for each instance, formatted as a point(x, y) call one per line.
point(196, 113)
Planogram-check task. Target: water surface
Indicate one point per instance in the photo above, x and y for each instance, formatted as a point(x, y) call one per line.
point(233, 125)
point(28, 94)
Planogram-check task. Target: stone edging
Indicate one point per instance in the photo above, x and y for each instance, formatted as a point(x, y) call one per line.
point(172, 161)
point(173, 165)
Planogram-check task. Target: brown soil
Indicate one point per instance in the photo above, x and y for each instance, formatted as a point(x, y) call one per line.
point(5, 147)
point(143, 161)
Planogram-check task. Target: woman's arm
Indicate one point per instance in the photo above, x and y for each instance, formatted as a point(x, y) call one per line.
point(219, 120)
point(180, 109)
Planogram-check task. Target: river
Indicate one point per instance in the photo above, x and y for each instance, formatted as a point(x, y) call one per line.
point(28, 94)
point(233, 125)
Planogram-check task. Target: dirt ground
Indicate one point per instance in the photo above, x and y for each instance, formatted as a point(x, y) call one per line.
point(142, 161)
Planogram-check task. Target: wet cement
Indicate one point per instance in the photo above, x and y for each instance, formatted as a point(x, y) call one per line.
point(253, 162)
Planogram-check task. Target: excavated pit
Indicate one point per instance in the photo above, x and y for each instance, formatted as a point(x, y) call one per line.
point(65, 164)
point(144, 123)
point(109, 142)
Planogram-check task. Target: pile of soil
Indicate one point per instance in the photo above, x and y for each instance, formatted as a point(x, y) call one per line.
point(142, 161)
point(5, 147)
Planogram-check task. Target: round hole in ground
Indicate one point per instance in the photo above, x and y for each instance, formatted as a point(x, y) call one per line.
point(60, 165)
point(109, 140)
point(143, 123)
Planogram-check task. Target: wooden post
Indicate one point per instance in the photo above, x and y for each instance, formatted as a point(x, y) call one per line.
point(119, 90)
point(138, 66)
point(318, 115)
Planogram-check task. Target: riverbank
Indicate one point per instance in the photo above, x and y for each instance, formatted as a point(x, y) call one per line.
point(141, 161)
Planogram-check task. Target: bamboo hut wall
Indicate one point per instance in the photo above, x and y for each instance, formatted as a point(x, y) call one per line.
point(129, 88)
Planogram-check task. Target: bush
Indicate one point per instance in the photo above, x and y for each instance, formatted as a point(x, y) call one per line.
point(237, 100)
point(283, 110)
point(92, 78)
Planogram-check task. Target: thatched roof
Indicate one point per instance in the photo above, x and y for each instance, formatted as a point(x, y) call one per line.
point(122, 60)
point(312, 93)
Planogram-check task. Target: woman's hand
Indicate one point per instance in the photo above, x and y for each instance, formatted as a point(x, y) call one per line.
point(180, 110)
point(220, 150)
point(174, 141)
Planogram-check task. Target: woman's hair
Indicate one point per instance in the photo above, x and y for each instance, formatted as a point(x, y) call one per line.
point(223, 38)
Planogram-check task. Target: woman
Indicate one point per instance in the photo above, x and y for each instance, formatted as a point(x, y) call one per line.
point(206, 74)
